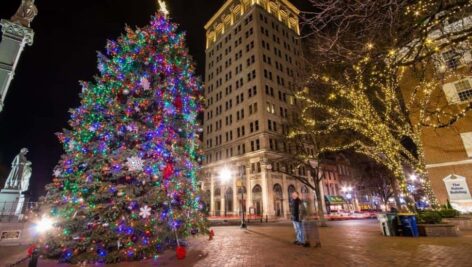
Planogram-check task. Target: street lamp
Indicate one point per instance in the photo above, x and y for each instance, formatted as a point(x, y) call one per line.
point(347, 190)
point(241, 188)
point(225, 176)
point(44, 225)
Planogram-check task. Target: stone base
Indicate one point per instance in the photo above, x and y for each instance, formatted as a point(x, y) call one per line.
point(16, 234)
point(438, 230)
point(463, 223)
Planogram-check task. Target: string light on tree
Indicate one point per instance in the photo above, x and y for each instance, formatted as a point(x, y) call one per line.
point(126, 188)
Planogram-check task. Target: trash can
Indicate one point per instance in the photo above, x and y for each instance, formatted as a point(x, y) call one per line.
point(408, 224)
point(388, 223)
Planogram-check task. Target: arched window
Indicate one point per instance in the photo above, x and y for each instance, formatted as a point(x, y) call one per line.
point(217, 192)
point(257, 189)
point(278, 191)
point(243, 189)
point(291, 189)
point(304, 189)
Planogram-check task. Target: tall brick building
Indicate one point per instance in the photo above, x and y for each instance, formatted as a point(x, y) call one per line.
point(253, 56)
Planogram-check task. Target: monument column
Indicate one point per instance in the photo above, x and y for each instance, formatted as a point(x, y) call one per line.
point(16, 33)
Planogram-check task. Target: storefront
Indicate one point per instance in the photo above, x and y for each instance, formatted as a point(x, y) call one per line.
point(334, 203)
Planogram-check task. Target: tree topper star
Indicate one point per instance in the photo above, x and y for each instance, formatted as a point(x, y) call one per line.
point(163, 8)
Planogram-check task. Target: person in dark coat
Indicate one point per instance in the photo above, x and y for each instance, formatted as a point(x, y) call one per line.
point(297, 210)
point(34, 258)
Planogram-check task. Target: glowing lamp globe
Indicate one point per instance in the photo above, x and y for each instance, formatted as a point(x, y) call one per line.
point(225, 175)
point(44, 225)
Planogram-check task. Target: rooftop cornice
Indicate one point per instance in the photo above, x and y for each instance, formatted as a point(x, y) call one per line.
point(228, 3)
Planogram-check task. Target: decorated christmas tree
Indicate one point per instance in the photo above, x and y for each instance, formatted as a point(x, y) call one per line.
point(126, 187)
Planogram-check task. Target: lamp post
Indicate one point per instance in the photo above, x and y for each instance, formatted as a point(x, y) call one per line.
point(347, 190)
point(225, 176)
point(411, 188)
point(241, 188)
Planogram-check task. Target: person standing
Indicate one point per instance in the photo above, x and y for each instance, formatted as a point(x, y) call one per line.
point(298, 212)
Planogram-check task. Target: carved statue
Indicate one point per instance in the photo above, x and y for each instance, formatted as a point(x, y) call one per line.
point(20, 173)
point(26, 13)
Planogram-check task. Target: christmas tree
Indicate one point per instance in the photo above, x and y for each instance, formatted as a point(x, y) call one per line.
point(126, 187)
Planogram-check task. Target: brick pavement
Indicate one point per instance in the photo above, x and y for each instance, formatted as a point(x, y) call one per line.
point(347, 243)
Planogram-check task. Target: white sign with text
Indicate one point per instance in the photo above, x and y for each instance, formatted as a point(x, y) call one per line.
point(457, 188)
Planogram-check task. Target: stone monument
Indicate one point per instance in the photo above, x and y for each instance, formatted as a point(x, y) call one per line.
point(16, 34)
point(12, 197)
point(14, 229)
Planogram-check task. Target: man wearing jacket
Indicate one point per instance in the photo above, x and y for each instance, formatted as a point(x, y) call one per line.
point(298, 213)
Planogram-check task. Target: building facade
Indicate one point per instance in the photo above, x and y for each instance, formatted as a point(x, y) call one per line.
point(448, 149)
point(253, 56)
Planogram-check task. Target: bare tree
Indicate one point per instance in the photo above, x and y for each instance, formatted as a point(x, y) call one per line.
point(342, 30)
point(376, 180)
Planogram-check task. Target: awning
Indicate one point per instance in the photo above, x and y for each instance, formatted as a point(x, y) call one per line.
point(335, 200)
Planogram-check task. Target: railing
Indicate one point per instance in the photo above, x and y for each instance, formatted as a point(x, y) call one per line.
point(16, 211)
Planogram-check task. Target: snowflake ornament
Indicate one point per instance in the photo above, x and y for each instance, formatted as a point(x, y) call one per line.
point(57, 173)
point(135, 164)
point(145, 212)
point(145, 83)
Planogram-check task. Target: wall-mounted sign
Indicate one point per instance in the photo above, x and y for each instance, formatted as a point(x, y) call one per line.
point(457, 188)
point(10, 235)
point(459, 192)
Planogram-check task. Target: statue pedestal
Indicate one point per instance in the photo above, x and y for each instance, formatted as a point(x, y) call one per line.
point(11, 203)
point(14, 230)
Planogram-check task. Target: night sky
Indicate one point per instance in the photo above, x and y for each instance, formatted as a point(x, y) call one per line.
point(67, 36)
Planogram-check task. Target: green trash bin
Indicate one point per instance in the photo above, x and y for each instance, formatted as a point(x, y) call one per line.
point(393, 223)
point(388, 223)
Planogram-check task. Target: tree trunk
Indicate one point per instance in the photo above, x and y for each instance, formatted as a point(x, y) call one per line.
point(321, 214)
point(396, 195)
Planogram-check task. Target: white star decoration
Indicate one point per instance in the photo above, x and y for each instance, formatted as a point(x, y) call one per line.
point(163, 8)
point(145, 212)
point(57, 173)
point(135, 164)
point(145, 83)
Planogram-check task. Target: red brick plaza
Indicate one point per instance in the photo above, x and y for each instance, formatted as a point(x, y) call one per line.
point(345, 243)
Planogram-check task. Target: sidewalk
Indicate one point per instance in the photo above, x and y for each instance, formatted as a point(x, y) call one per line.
point(11, 255)
point(344, 243)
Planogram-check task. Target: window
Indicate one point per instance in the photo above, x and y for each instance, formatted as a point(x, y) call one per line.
point(272, 125)
point(250, 60)
point(270, 107)
point(464, 90)
point(452, 59)
point(253, 109)
point(460, 91)
point(255, 145)
point(467, 140)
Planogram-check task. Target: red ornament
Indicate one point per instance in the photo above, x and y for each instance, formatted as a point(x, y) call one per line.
point(31, 249)
point(178, 103)
point(168, 170)
point(181, 252)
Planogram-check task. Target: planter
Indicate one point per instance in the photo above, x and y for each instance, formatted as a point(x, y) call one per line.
point(438, 230)
point(463, 223)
